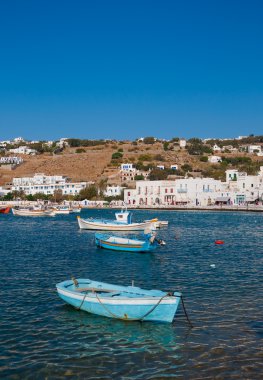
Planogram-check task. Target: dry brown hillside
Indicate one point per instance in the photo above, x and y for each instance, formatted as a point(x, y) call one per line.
point(95, 162)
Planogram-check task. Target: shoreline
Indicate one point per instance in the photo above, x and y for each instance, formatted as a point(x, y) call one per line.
point(247, 208)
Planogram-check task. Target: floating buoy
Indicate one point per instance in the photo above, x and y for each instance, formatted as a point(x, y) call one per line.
point(219, 242)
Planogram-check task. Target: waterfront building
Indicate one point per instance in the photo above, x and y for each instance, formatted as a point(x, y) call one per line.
point(239, 188)
point(41, 183)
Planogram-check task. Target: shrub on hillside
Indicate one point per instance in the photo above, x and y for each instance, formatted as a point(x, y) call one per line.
point(116, 155)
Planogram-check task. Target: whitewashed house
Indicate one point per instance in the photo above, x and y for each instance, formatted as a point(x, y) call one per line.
point(113, 191)
point(254, 148)
point(41, 183)
point(214, 159)
point(23, 150)
point(128, 172)
point(216, 148)
point(182, 143)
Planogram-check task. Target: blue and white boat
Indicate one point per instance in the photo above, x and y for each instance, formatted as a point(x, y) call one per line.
point(123, 222)
point(128, 303)
point(119, 243)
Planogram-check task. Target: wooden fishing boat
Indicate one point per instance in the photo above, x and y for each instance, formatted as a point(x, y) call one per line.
point(111, 225)
point(32, 212)
point(128, 303)
point(118, 243)
point(123, 222)
point(4, 210)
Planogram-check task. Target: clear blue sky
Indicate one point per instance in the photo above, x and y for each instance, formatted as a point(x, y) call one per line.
point(130, 68)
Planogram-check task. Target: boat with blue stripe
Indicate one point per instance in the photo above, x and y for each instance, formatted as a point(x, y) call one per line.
point(127, 303)
point(119, 243)
point(123, 222)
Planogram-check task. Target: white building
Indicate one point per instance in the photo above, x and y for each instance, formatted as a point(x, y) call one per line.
point(216, 148)
point(239, 188)
point(113, 191)
point(182, 143)
point(214, 159)
point(254, 148)
point(128, 172)
point(11, 160)
point(42, 183)
point(18, 140)
point(62, 142)
point(23, 150)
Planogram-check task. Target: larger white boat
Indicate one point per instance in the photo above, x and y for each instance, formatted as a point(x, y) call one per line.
point(123, 222)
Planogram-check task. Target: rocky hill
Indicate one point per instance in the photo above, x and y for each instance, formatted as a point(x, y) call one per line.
point(96, 163)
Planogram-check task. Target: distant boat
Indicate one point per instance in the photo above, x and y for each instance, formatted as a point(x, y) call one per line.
point(158, 223)
point(76, 209)
point(4, 210)
point(65, 210)
point(32, 212)
point(123, 222)
point(128, 303)
point(117, 243)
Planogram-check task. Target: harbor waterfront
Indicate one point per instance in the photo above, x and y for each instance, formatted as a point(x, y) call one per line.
point(41, 337)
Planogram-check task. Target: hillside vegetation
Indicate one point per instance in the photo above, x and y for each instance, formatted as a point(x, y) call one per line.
point(85, 161)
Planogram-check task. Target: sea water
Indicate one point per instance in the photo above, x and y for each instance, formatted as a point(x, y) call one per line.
point(41, 337)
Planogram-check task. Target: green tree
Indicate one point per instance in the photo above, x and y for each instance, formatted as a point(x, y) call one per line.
point(138, 177)
point(165, 145)
point(149, 140)
point(89, 192)
point(157, 174)
point(116, 155)
point(186, 168)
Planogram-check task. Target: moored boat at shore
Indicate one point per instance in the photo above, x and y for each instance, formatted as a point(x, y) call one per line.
point(128, 303)
point(32, 212)
point(4, 210)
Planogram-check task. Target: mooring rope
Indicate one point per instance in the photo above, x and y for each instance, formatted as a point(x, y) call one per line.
point(133, 319)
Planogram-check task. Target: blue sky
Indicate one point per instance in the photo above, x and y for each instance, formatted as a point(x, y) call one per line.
point(126, 69)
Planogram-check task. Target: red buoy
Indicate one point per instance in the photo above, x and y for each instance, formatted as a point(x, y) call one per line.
point(219, 242)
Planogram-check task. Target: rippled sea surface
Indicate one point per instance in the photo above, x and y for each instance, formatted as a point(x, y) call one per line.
point(41, 337)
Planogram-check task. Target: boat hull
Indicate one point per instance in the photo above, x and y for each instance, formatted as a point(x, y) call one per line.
point(121, 244)
point(4, 210)
point(32, 212)
point(155, 306)
point(87, 224)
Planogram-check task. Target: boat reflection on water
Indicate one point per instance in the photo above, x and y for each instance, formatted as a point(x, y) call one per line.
point(121, 335)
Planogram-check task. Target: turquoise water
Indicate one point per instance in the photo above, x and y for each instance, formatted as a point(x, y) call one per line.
point(40, 337)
